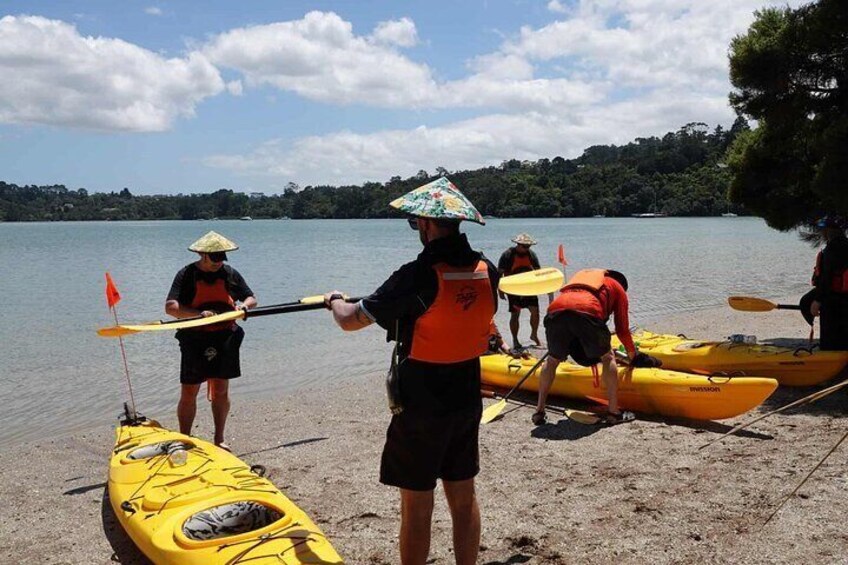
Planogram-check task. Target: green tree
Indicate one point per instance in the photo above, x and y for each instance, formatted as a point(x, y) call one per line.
point(790, 73)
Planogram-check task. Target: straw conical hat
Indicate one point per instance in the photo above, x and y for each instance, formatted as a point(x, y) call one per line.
point(212, 242)
point(438, 199)
point(524, 239)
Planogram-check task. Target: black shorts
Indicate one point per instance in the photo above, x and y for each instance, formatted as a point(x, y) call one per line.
point(834, 324)
point(517, 303)
point(421, 448)
point(210, 355)
point(584, 337)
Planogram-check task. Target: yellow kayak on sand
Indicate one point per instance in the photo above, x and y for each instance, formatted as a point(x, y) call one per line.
point(204, 505)
point(798, 366)
point(650, 391)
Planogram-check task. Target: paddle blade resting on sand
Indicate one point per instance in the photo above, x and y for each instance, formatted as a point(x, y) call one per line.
point(493, 411)
point(533, 283)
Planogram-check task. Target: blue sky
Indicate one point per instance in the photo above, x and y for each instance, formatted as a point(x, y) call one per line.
point(166, 97)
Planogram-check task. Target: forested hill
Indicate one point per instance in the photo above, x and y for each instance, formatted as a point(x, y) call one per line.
point(680, 174)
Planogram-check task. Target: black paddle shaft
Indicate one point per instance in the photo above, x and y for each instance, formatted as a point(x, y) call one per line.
point(287, 308)
point(527, 376)
point(267, 310)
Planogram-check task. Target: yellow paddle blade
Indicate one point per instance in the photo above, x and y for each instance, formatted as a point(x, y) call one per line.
point(118, 331)
point(582, 417)
point(493, 411)
point(533, 283)
point(750, 304)
point(115, 331)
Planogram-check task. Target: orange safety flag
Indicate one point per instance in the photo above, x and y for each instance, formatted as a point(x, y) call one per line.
point(112, 294)
point(561, 255)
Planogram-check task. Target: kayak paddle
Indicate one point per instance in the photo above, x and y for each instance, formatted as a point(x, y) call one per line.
point(818, 395)
point(309, 303)
point(495, 409)
point(533, 283)
point(579, 416)
point(750, 304)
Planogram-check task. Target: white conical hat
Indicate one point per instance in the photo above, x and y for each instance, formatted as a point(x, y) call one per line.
point(524, 239)
point(212, 242)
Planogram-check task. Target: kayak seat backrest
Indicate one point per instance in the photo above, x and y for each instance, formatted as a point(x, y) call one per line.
point(229, 520)
point(154, 449)
point(690, 345)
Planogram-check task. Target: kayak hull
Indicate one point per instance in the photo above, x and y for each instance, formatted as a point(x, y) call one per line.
point(213, 509)
point(650, 391)
point(790, 366)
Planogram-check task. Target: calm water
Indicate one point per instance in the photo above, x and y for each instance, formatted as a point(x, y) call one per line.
point(57, 376)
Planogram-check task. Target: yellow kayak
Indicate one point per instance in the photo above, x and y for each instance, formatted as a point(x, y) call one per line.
point(650, 391)
point(204, 505)
point(790, 366)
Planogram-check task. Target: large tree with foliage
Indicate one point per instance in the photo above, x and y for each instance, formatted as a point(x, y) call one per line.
point(790, 73)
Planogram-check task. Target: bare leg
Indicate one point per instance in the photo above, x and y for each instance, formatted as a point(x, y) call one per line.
point(610, 375)
point(465, 515)
point(187, 407)
point(220, 406)
point(545, 381)
point(416, 513)
point(513, 327)
point(534, 325)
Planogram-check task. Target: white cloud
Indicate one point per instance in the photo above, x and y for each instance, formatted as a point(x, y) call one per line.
point(616, 70)
point(556, 6)
point(153, 11)
point(320, 58)
point(400, 32)
point(53, 75)
point(347, 157)
point(235, 88)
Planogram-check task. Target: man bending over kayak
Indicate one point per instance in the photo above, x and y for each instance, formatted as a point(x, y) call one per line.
point(576, 325)
point(439, 309)
point(209, 353)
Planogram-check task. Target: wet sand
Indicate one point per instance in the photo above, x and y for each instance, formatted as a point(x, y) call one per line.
point(561, 493)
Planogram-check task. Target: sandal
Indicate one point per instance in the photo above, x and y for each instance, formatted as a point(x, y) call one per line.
point(612, 418)
point(539, 418)
point(225, 447)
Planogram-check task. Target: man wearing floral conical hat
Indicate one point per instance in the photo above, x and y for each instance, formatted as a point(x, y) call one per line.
point(210, 353)
point(520, 259)
point(438, 309)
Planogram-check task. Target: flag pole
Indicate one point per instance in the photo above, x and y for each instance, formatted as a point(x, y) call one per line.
point(112, 299)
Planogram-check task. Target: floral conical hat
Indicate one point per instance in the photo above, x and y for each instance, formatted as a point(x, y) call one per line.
point(212, 242)
point(438, 199)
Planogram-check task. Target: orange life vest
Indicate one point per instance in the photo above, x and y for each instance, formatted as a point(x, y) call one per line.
point(839, 282)
point(520, 264)
point(456, 326)
point(573, 295)
point(212, 295)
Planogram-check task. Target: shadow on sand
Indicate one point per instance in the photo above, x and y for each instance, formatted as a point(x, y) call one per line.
point(283, 445)
point(517, 558)
point(124, 550)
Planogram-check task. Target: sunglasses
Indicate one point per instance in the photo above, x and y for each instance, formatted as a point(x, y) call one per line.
point(413, 223)
point(218, 257)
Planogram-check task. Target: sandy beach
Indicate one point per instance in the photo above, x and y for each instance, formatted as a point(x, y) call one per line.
point(561, 493)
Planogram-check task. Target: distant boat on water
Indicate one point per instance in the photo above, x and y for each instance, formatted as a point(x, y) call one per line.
point(650, 215)
point(729, 215)
point(246, 218)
